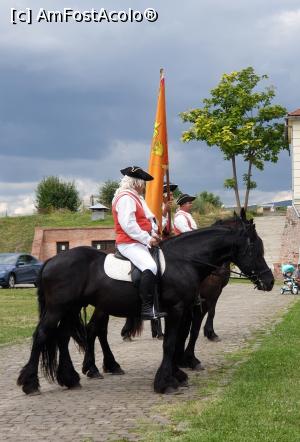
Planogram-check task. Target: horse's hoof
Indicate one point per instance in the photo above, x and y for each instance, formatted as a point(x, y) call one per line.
point(172, 390)
point(94, 375)
point(212, 337)
point(115, 371)
point(75, 387)
point(34, 393)
point(184, 384)
point(127, 339)
point(198, 367)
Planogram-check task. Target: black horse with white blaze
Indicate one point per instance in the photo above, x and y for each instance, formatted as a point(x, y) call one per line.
point(76, 278)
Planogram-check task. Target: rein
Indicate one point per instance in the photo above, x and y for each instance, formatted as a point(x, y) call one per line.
point(253, 278)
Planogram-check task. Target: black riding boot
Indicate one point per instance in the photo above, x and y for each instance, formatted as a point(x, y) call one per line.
point(147, 291)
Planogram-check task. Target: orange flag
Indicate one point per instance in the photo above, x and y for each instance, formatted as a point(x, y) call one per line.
point(159, 161)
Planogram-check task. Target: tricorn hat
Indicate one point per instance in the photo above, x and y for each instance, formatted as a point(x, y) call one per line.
point(136, 172)
point(185, 198)
point(172, 187)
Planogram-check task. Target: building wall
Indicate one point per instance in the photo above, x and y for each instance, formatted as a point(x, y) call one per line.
point(290, 242)
point(45, 239)
point(295, 143)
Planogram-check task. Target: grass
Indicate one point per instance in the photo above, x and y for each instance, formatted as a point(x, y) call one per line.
point(18, 314)
point(16, 233)
point(258, 400)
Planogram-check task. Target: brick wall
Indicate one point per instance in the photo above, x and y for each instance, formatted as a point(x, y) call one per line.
point(45, 239)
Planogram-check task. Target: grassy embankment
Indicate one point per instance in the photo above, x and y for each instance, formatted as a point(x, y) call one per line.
point(16, 233)
point(255, 396)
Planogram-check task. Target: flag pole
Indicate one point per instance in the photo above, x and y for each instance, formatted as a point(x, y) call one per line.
point(169, 224)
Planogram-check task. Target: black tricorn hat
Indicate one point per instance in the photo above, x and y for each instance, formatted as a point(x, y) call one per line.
point(185, 198)
point(172, 187)
point(136, 172)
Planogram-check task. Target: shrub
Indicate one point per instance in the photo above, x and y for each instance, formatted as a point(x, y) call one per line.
point(53, 194)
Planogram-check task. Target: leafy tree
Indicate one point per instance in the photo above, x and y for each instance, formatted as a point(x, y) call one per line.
point(53, 193)
point(107, 191)
point(240, 120)
point(209, 197)
point(206, 200)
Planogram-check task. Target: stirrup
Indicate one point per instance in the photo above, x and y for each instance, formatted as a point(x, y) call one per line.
point(151, 313)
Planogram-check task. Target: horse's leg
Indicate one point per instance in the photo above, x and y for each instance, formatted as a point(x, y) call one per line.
point(127, 329)
point(165, 379)
point(208, 331)
point(182, 335)
point(189, 358)
point(156, 328)
point(89, 366)
point(44, 341)
point(66, 373)
point(110, 365)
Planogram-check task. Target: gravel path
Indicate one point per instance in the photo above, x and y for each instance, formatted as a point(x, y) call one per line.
point(109, 409)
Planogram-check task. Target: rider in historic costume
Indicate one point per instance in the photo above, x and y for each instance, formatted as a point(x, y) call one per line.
point(183, 220)
point(136, 233)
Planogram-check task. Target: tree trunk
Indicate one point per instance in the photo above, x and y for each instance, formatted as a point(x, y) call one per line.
point(236, 189)
point(248, 185)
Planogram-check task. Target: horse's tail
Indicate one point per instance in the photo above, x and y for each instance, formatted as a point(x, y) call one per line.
point(40, 292)
point(71, 325)
point(133, 327)
point(78, 329)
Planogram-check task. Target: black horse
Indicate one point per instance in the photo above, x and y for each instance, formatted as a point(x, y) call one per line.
point(76, 278)
point(210, 290)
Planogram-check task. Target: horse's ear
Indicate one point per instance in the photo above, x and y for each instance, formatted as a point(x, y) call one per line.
point(243, 215)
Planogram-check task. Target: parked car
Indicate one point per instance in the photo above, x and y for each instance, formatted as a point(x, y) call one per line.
point(18, 268)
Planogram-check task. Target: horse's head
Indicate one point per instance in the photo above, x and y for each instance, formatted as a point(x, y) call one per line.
point(248, 252)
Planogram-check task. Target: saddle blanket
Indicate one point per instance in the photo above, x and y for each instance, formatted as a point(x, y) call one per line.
point(120, 269)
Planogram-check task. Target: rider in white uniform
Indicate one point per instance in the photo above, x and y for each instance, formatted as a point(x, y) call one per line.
point(183, 220)
point(136, 232)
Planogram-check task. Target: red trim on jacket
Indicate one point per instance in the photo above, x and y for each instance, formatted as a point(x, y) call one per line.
point(181, 212)
point(141, 219)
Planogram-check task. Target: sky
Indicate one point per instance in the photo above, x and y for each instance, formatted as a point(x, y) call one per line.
point(78, 100)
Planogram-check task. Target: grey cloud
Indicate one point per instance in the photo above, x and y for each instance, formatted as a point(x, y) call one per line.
point(80, 99)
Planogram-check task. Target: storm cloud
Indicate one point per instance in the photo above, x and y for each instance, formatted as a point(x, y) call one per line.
point(78, 100)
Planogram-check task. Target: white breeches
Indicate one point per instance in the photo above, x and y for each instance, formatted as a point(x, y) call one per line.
point(139, 255)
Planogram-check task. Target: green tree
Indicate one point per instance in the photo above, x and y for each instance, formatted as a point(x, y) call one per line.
point(107, 191)
point(240, 120)
point(53, 193)
point(205, 200)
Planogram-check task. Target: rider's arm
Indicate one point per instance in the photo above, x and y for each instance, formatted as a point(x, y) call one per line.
point(193, 222)
point(126, 208)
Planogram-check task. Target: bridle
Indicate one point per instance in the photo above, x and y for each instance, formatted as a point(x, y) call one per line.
point(255, 276)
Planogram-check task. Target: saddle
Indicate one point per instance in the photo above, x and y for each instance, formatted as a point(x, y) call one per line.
point(116, 266)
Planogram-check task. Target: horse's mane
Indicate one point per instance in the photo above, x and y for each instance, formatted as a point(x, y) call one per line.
point(227, 223)
point(218, 229)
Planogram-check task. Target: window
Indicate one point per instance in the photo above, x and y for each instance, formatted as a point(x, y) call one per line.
point(103, 245)
point(23, 260)
point(62, 246)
